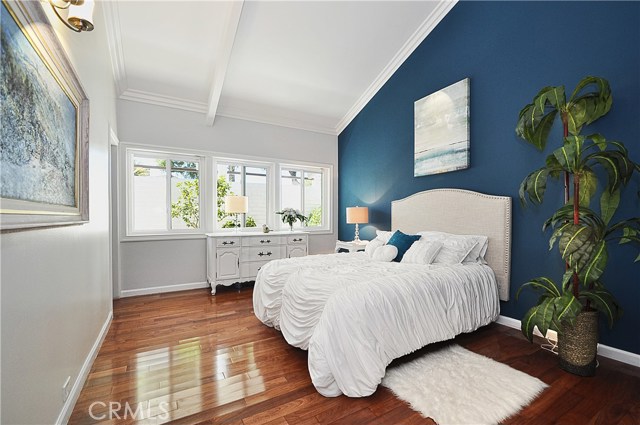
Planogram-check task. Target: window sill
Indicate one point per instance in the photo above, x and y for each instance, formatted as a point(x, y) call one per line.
point(309, 231)
point(195, 236)
point(165, 237)
point(321, 232)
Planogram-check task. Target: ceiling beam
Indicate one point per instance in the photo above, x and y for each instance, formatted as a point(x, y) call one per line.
point(222, 61)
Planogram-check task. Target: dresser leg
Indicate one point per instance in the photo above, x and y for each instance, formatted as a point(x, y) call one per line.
point(213, 289)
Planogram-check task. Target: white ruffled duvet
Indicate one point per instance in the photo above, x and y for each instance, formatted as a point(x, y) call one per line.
point(355, 315)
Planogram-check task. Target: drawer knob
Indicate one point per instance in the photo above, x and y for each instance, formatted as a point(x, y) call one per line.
point(269, 253)
point(228, 243)
point(297, 240)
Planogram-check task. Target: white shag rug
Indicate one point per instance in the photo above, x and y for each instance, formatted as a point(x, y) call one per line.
point(455, 386)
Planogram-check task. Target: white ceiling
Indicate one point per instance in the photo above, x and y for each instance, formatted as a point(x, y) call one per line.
point(304, 64)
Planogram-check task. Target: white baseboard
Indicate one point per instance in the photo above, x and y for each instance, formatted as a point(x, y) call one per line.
point(67, 408)
point(161, 289)
point(514, 323)
point(619, 355)
point(603, 350)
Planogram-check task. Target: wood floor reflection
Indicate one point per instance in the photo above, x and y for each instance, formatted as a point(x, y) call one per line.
point(190, 358)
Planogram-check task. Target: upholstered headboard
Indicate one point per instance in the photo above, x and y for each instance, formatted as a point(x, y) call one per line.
point(462, 212)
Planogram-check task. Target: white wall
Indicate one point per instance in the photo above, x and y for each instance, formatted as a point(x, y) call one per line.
point(56, 293)
point(169, 263)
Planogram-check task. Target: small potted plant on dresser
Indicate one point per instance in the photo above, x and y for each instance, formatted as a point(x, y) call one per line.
point(291, 215)
point(571, 305)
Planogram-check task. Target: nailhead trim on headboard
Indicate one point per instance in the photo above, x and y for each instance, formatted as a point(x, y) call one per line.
point(448, 216)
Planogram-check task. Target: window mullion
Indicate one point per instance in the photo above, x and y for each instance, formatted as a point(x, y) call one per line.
point(244, 191)
point(168, 195)
point(325, 203)
point(129, 193)
point(302, 192)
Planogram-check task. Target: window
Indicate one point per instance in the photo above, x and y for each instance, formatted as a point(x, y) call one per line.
point(170, 194)
point(164, 193)
point(307, 190)
point(251, 180)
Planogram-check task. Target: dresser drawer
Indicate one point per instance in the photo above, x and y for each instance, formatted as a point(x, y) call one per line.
point(229, 242)
point(296, 239)
point(251, 269)
point(262, 253)
point(265, 240)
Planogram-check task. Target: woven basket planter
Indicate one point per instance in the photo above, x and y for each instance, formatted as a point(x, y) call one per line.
point(578, 345)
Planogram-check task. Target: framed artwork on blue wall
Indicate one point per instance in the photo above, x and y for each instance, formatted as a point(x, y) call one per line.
point(442, 130)
point(44, 135)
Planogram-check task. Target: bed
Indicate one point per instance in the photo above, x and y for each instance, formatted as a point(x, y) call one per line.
point(355, 315)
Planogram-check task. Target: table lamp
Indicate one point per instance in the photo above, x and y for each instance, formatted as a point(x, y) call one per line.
point(357, 215)
point(236, 205)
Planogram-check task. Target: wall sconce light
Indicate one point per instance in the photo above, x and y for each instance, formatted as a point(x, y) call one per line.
point(79, 13)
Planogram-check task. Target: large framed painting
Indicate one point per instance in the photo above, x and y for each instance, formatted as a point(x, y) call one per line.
point(442, 130)
point(45, 125)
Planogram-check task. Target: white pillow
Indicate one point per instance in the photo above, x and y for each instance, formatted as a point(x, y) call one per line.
point(385, 253)
point(454, 250)
point(422, 252)
point(433, 236)
point(384, 235)
point(477, 253)
point(373, 246)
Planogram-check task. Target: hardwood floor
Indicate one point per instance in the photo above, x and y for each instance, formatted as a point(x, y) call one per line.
point(191, 358)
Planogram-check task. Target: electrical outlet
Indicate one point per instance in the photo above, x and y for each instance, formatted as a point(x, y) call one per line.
point(552, 335)
point(66, 389)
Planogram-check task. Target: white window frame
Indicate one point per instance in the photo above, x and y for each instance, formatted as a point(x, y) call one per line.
point(326, 171)
point(169, 156)
point(208, 162)
point(269, 166)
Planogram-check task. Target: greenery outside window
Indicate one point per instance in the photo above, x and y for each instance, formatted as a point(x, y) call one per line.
point(164, 193)
point(306, 189)
point(243, 179)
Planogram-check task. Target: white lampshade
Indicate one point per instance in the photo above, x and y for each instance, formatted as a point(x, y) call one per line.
point(357, 215)
point(236, 204)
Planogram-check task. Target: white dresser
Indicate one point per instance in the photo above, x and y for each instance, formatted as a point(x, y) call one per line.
point(237, 257)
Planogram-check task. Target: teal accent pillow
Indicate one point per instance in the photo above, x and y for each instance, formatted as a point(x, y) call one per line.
point(402, 242)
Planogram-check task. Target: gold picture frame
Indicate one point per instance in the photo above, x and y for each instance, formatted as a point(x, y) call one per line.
point(44, 137)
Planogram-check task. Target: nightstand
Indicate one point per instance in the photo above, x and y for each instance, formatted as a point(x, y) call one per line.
point(351, 246)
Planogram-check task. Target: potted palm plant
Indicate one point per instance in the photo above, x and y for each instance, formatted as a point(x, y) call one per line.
point(571, 305)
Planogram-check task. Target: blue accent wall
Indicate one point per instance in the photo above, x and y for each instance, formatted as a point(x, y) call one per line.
point(509, 50)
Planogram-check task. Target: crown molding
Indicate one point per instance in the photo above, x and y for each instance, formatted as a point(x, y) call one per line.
point(222, 63)
point(113, 137)
point(162, 100)
point(281, 121)
point(114, 42)
point(412, 43)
